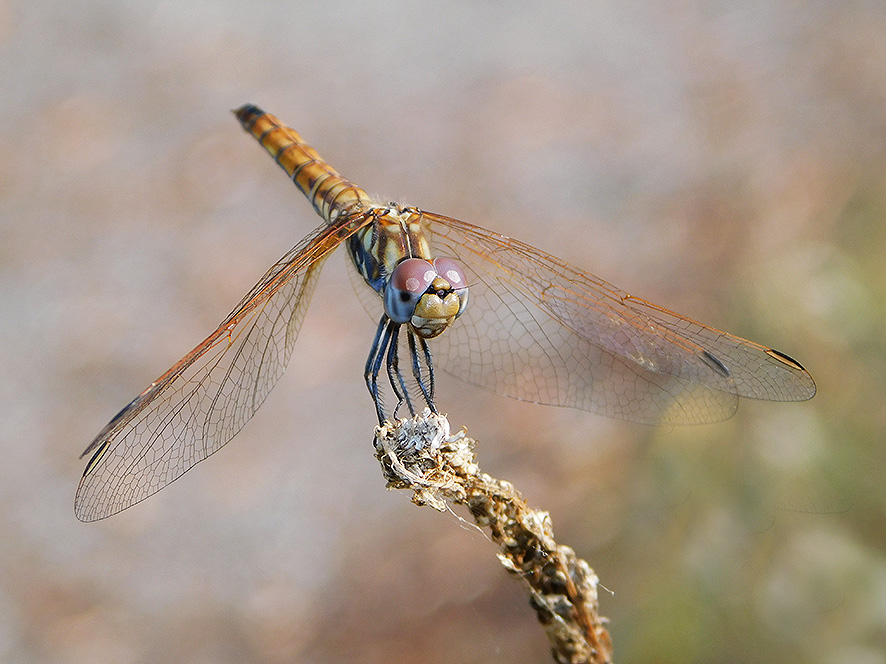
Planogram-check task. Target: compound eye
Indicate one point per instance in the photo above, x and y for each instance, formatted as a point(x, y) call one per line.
point(452, 271)
point(408, 282)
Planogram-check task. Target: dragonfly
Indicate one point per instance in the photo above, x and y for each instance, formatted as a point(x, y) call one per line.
point(492, 310)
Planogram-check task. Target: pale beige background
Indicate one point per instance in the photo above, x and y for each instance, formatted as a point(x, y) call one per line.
point(726, 159)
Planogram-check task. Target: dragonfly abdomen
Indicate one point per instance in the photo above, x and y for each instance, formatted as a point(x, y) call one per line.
point(329, 193)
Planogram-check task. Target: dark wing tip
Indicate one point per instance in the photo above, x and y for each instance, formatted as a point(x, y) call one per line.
point(786, 359)
point(808, 383)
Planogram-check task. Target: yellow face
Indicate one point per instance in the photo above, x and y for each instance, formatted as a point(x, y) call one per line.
point(436, 309)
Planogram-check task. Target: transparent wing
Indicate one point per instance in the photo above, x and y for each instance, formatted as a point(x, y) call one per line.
point(541, 330)
point(206, 398)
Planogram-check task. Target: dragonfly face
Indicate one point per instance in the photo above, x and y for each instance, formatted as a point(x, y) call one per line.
point(537, 329)
point(428, 295)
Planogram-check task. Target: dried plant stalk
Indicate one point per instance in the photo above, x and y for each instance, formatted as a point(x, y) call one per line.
point(419, 454)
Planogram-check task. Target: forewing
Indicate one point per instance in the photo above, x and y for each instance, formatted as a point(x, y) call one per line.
point(541, 330)
point(206, 398)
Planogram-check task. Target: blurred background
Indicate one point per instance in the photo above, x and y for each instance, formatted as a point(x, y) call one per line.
point(726, 160)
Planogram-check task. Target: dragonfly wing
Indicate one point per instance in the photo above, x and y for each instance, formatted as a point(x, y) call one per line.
point(759, 372)
point(205, 399)
point(541, 330)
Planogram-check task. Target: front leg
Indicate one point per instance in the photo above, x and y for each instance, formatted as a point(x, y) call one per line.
point(373, 364)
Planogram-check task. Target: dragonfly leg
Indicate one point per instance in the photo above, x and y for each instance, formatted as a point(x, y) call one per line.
point(373, 365)
point(394, 375)
point(427, 389)
point(429, 362)
point(385, 349)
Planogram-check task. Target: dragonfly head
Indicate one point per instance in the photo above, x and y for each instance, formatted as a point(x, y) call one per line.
point(428, 295)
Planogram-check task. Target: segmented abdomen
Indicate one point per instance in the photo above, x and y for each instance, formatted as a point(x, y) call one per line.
point(329, 193)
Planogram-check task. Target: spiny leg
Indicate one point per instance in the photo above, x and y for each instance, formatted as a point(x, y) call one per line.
point(429, 362)
point(417, 370)
point(394, 375)
point(385, 349)
point(373, 364)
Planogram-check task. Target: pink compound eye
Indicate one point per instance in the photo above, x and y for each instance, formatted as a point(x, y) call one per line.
point(450, 270)
point(413, 275)
point(408, 282)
